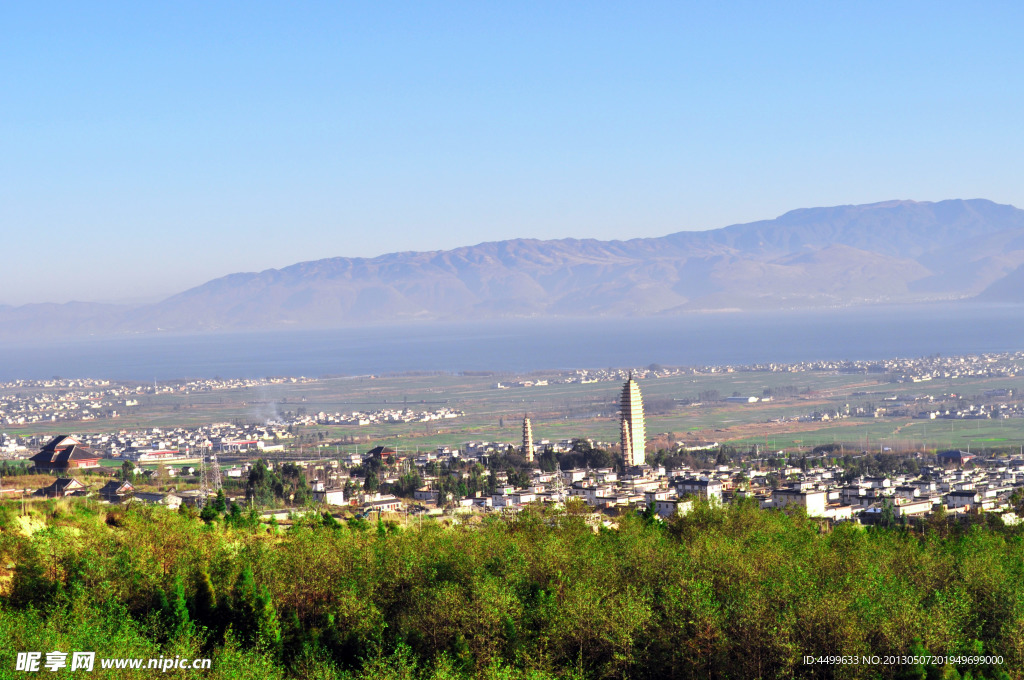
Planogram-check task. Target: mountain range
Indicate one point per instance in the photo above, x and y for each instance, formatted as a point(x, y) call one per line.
point(898, 252)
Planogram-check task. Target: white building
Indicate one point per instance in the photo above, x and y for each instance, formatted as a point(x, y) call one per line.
point(672, 506)
point(812, 501)
point(334, 496)
point(707, 489)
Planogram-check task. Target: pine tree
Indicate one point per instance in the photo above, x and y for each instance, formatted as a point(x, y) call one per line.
point(176, 617)
point(209, 513)
point(267, 628)
point(254, 615)
point(241, 604)
point(204, 605)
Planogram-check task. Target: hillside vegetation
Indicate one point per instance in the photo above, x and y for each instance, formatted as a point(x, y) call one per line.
point(720, 593)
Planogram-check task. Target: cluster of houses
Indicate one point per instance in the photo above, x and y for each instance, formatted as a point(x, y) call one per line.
point(27, 402)
point(986, 486)
point(480, 450)
point(1001, 365)
point(64, 456)
point(116, 492)
point(81, 402)
point(156, 445)
point(11, 447)
point(957, 482)
point(214, 384)
point(582, 376)
point(993, 404)
point(403, 415)
point(923, 369)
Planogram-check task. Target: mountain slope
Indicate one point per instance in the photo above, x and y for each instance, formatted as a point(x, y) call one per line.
point(897, 251)
point(1009, 289)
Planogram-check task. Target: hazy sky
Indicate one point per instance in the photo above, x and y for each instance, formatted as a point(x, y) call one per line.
point(147, 147)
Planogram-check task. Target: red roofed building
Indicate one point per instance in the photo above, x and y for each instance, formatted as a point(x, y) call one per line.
point(64, 453)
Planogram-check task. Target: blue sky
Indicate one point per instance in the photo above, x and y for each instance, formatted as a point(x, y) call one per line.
point(149, 147)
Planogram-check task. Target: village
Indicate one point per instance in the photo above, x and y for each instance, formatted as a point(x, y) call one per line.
point(347, 473)
point(28, 402)
point(180, 466)
point(35, 402)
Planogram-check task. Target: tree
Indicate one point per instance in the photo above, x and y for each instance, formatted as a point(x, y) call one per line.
point(1017, 501)
point(547, 460)
point(268, 627)
point(351, 488)
point(204, 603)
point(178, 621)
point(209, 513)
point(253, 611)
point(888, 518)
point(260, 487)
point(302, 495)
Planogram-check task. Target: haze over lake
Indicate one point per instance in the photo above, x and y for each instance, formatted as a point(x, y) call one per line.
point(532, 344)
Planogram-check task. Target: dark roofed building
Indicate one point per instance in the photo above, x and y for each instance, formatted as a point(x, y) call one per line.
point(381, 452)
point(64, 453)
point(116, 492)
point(954, 456)
point(66, 486)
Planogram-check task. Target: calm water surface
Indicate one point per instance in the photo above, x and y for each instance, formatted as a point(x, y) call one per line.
point(526, 345)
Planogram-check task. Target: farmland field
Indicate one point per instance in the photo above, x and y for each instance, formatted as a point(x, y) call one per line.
point(562, 410)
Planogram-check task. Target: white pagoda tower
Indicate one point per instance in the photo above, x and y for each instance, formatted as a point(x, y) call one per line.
point(634, 439)
point(527, 439)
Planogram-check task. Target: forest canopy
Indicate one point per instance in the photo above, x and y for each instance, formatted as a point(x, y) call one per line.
point(734, 592)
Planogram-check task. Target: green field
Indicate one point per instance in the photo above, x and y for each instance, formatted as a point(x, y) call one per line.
point(563, 411)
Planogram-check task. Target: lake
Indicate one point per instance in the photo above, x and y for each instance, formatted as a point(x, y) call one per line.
point(532, 344)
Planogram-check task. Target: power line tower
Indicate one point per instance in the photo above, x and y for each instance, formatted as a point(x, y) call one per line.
point(204, 480)
point(557, 488)
point(215, 483)
point(209, 477)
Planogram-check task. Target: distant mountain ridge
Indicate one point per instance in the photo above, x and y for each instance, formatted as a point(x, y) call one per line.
point(891, 252)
